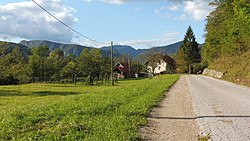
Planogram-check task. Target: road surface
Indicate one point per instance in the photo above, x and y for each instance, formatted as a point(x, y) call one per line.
point(198, 106)
point(222, 108)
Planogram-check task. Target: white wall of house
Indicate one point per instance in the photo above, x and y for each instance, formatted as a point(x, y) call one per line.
point(161, 67)
point(150, 69)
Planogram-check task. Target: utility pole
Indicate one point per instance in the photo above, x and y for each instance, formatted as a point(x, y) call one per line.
point(111, 62)
point(129, 71)
point(137, 68)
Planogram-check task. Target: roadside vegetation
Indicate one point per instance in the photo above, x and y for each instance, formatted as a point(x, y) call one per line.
point(204, 138)
point(236, 69)
point(227, 41)
point(76, 112)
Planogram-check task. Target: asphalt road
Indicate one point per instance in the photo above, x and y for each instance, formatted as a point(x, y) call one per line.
point(222, 108)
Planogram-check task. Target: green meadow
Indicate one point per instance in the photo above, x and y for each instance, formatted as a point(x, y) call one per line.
point(79, 112)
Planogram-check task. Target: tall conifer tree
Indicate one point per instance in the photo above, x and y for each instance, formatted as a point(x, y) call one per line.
point(188, 53)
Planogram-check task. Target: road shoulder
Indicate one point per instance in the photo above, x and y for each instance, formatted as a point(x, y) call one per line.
point(174, 118)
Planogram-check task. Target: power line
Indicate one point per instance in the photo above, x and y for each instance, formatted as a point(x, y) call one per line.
point(86, 37)
point(65, 23)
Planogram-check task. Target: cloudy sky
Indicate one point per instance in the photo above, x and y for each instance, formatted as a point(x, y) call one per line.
point(139, 23)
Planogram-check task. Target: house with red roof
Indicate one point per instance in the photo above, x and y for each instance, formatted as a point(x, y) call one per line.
point(123, 70)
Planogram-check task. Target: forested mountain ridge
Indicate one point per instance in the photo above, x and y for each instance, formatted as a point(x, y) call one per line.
point(66, 48)
point(124, 49)
point(227, 42)
point(169, 49)
point(7, 47)
point(118, 49)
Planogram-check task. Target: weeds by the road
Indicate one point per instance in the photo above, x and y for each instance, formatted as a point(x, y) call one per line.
point(204, 137)
point(69, 112)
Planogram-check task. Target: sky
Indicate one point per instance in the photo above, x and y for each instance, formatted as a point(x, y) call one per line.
point(138, 23)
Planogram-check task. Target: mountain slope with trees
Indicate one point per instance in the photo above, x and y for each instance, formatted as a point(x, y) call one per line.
point(7, 47)
point(66, 48)
point(119, 49)
point(227, 42)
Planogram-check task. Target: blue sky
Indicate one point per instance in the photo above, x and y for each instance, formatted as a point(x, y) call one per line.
point(139, 23)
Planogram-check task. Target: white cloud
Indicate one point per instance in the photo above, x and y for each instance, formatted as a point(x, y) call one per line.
point(166, 39)
point(174, 7)
point(27, 21)
point(118, 2)
point(182, 17)
point(87, 0)
point(162, 12)
point(197, 9)
point(192, 9)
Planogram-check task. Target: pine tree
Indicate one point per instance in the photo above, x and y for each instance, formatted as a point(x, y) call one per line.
point(188, 53)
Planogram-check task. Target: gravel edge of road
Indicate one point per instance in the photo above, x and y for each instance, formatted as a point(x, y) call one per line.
point(174, 118)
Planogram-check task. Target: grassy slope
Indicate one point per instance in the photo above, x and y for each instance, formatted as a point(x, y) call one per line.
point(68, 112)
point(236, 68)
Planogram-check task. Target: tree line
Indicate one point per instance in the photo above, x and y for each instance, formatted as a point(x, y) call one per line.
point(46, 66)
point(227, 40)
point(228, 30)
point(43, 65)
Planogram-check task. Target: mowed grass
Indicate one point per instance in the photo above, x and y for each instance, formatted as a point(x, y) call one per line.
point(77, 112)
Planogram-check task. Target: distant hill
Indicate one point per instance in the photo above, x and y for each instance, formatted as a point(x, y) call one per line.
point(9, 46)
point(124, 49)
point(66, 48)
point(169, 49)
point(77, 49)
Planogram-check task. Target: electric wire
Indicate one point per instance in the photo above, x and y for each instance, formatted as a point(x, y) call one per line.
point(65, 23)
point(77, 32)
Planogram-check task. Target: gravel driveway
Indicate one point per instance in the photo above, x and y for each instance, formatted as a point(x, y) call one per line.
point(222, 108)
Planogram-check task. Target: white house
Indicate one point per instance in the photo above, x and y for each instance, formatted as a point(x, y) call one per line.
point(165, 64)
point(161, 67)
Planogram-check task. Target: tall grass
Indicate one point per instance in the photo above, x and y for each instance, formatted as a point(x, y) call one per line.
point(69, 112)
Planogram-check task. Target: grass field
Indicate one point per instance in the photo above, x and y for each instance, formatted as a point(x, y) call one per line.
point(77, 112)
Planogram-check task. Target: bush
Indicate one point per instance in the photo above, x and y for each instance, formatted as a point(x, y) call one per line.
point(10, 80)
point(199, 67)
